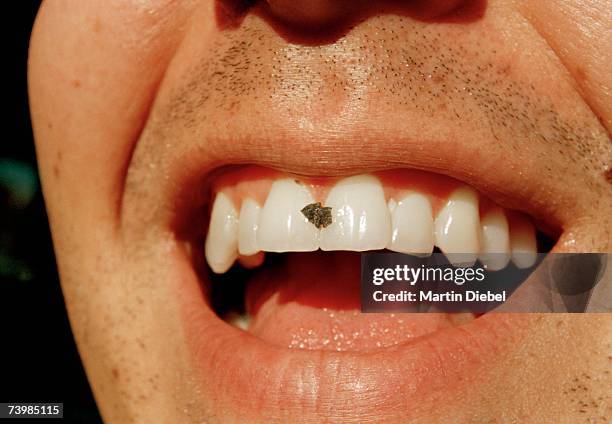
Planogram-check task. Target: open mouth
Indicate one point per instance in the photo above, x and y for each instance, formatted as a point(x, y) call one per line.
point(311, 300)
point(282, 286)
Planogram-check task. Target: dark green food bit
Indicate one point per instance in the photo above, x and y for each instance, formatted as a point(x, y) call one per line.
point(320, 216)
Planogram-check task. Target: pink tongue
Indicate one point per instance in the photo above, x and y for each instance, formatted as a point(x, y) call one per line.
point(312, 302)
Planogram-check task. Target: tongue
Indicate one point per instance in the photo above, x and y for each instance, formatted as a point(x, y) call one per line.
point(311, 301)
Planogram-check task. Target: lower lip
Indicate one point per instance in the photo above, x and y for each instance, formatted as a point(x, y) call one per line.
point(252, 378)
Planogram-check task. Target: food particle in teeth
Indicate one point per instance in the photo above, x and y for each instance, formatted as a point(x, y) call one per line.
point(318, 215)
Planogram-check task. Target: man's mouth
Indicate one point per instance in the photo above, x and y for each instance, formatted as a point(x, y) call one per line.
point(280, 299)
point(305, 294)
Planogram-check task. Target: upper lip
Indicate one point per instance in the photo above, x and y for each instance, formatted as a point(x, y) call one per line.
point(313, 155)
point(513, 181)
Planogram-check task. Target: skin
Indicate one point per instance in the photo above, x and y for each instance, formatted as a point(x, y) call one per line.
point(133, 103)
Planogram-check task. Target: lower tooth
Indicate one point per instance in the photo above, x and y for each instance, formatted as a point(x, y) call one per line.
point(412, 225)
point(457, 227)
point(221, 249)
point(242, 321)
point(523, 242)
point(495, 240)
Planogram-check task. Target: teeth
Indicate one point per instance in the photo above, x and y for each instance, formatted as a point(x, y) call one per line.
point(247, 228)
point(242, 321)
point(412, 225)
point(523, 242)
point(282, 227)
point(222, 240)
point(495, 240)
point(457, 227)
point(361, 219)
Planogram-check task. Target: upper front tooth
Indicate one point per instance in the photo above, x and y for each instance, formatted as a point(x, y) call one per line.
point(412, 225)
point(247, 227)
point(495, 240)
point(222, 239)
point(282, 226)
point(523, 242)
point(457, 227)
point(360, 217)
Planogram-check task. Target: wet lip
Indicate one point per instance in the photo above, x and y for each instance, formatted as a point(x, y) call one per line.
point(258, 379)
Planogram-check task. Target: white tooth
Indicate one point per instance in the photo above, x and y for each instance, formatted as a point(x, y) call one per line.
point(222, 239)
point(457, 227)
point(247, 227)
point(412, 225)
point(391, 204)
point(242, 321)
point(495, 239)
point(523, 242)
point(282, 225)
point(360, 216)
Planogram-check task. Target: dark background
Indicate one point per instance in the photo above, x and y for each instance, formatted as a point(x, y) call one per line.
point(38, 358)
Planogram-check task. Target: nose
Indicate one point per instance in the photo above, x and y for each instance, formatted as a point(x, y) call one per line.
point(324, 13)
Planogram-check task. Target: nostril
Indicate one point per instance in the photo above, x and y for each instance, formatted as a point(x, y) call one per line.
point(433, 9)
point(318, 22)
point(313, 13)
point(325, 13)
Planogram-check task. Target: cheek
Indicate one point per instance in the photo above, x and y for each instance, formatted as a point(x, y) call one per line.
point(88, 109)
